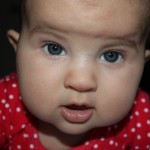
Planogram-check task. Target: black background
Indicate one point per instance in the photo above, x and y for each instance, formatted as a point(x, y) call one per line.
point(10, 19)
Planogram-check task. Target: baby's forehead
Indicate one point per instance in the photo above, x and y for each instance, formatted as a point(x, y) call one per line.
point(91, 2)
point(86, 4)
point(87, 8)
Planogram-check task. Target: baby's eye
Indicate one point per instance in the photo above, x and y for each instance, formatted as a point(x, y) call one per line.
point(54, 49)
point(112, 56)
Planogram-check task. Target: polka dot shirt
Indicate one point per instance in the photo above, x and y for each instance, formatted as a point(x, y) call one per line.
point(18, 133)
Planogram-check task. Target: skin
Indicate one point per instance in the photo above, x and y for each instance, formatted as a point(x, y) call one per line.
point(79, 75)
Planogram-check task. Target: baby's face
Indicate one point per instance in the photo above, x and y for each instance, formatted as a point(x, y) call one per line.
point(80, 62)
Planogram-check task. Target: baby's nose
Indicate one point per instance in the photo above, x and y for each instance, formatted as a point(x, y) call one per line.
point(81, 80)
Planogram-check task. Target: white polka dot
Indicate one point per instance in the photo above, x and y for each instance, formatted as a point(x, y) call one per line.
point(137, 113)
point(5, 90)
point(111, 142)
point(133, 130)
point(95, 146)
point(148, 147)
point(116, 144)
point(19, 147)
point(139, 137)
point(11, 127)
point(23, 126)
point(131, 117)
point(31, 146)
point(4, 117)
point(26, 135)
point(143, 100)
point(138, 125)
point(102, 139)
point(10, 148)
point(148, 135)
point(86, 143)
point(18, 109)
point(11, 96)
point(125, 135)
point(7, 79)
point(14, 85)
point(136, 147)
point(10, 136)
point(146, 110)
point(3, 101)
point(6, 105)
point(10, 110)
point(35, 136)
point(148, 122)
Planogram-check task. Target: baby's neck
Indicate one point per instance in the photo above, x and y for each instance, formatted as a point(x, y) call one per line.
point(53, 139)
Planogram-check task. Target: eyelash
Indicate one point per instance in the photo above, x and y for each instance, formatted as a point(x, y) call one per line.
point(57, 50)
point(55, 47)
point(109, 54)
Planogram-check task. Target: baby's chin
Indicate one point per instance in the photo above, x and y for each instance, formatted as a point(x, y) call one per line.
point(74, 129)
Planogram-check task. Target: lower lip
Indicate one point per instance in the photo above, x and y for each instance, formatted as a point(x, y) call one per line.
point(76, 116)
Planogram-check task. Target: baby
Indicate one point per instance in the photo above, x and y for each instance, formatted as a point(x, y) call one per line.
point(79, 65)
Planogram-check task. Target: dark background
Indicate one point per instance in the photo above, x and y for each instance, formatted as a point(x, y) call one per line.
point(10, 19)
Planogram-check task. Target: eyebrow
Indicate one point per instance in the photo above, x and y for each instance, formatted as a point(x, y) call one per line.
point(132, 39)
point(121, 43)
point(50, 30)
point(125, 39)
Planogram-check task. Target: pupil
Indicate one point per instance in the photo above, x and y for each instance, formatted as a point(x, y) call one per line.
point(111, 56)
point(54, 49)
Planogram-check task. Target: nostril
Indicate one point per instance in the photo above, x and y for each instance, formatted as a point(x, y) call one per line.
point(81, 87)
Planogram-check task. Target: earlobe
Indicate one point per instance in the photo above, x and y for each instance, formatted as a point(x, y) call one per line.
point(13, 37)
point(147, 55)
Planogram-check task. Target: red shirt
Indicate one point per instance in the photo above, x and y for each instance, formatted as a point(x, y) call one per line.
point(18, 133)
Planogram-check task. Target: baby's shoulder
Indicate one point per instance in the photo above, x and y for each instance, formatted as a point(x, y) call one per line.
point(137, 124)
point(13, 115)
point(8, 83)
point(10, 100)
point(9, 88)
point(141, 104)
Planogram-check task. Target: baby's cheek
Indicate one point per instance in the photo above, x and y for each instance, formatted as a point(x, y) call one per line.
point(114, 108)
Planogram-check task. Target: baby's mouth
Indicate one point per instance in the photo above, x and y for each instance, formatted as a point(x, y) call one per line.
point(76, 114)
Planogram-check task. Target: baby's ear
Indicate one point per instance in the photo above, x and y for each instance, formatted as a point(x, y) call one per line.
point(13, 37)
point(147, 55)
